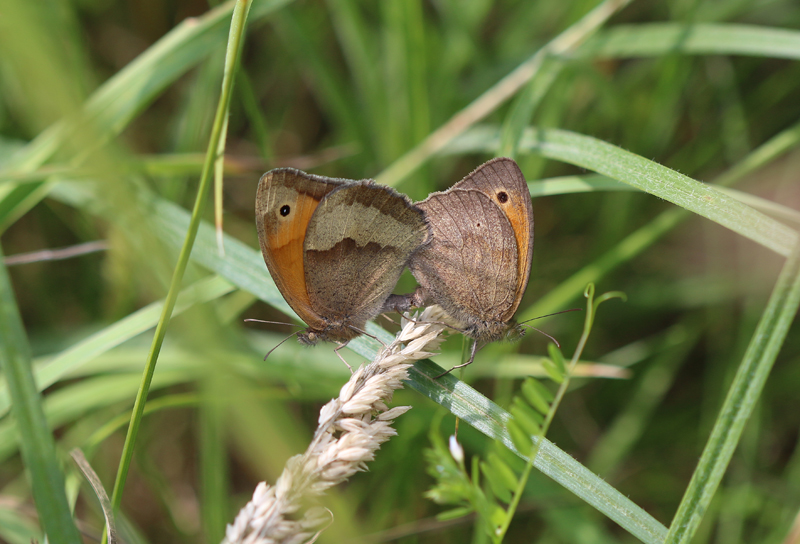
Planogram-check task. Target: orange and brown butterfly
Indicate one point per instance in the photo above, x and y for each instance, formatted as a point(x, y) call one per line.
point(335, 247)
point(478, 263)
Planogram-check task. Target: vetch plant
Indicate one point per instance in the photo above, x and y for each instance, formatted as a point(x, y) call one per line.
point(532, 413)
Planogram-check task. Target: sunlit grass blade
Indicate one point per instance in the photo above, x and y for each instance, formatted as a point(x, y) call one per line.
point(665, 183)
point(37, 442)
point(743, 395)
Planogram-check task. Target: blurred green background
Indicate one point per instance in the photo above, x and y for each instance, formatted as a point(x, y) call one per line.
point(105, 114)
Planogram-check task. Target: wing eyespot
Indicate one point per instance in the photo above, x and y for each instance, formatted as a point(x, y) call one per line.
point(285, 210)
point(502, 197)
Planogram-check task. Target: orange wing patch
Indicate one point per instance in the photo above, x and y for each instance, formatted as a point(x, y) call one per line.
point(517, 212)
point(282, 238)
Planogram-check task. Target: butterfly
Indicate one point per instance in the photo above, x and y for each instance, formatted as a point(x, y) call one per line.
point(477, 265)
point(335, 247)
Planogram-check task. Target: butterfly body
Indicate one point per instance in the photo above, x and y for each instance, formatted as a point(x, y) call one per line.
point(478, 262)
point(335, 248)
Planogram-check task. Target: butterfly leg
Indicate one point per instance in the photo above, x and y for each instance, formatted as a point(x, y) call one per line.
point(473, 351)
point(339, 355)
point(365, 333)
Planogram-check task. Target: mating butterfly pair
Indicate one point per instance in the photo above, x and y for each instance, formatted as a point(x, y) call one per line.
point(336, 249)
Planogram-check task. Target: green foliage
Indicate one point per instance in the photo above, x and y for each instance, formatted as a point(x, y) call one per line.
point(632, 122)
point(532, 412)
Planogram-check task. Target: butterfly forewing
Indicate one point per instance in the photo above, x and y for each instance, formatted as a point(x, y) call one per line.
point(357, 244)
point(285, 203)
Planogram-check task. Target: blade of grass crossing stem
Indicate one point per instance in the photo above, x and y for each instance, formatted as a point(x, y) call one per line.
point(37, 444)
point(742, 397)
point(235, 39)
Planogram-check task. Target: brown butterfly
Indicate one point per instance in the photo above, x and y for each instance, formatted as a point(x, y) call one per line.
point(477, 265)
point(335, 247)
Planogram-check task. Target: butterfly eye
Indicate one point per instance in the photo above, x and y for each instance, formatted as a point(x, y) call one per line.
point(502, 197)
point(285, 209)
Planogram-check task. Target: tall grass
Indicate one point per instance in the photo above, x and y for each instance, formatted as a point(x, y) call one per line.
point(660, 145)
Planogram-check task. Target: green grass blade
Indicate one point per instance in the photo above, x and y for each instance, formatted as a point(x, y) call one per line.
point(242, 265)
point(38, 445)
point(214, 475)
point(743, 395)
point(564, 185)
point(488, 418)
point(235, 40)
point(665, 183)
point(657, 39)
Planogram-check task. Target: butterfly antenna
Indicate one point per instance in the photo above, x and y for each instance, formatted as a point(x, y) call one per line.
point(550, 315)
point(542, 332)
point(271, 322)
point(279, 343)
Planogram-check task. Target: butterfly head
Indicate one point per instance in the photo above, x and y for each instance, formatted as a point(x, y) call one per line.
point(493, 331)
point(333, 332)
